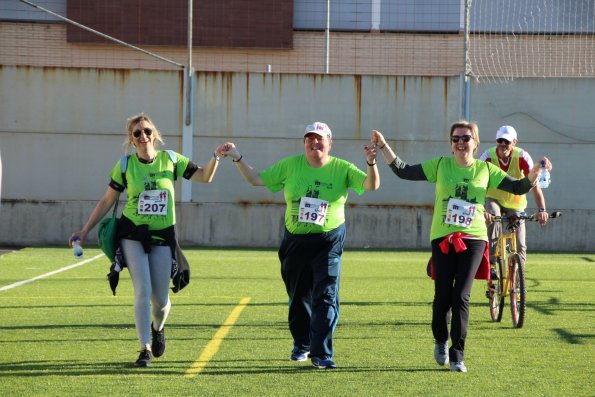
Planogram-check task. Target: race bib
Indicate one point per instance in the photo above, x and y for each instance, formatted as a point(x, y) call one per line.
point(153, 202)
point(460, 213)
point(313, 210)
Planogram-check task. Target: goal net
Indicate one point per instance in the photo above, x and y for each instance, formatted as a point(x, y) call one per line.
point(531, 38)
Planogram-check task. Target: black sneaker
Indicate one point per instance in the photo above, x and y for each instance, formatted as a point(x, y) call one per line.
point(144, 359)
point(158, 343)
point(493, 274)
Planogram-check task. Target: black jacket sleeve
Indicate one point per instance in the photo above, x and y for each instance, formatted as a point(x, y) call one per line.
point(405, 171)
point(515, 186)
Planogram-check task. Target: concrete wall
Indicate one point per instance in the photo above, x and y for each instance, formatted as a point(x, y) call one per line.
point(61, 130)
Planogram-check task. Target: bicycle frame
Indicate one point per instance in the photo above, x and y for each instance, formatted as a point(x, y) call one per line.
point(510, 270)
point(505, 247)
point(511, 273)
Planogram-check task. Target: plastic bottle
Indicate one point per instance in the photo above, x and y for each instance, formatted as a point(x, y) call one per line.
point(77, 248)
point(544, 176)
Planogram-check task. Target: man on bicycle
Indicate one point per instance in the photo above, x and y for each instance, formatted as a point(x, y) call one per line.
point(517, 163)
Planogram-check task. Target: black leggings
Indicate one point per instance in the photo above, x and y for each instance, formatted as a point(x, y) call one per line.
point(453, 278)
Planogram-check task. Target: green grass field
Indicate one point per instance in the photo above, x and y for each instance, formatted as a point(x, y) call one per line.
point(67, 335)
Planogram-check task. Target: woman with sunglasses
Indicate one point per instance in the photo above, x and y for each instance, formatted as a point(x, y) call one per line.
point(458, 233)
point(146, 229)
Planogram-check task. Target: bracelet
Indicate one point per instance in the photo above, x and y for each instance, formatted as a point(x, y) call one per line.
point(371, 165)
point(542, 210)
point(217, 158)
point(381, 147)
point(238, 160)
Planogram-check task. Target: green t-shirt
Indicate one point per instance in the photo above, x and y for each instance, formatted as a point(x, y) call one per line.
point(469, 184)
point(329, 183)
point(156, 176)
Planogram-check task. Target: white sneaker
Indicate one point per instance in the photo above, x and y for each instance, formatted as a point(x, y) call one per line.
point(458, 366)
point(299, 356)
point(441, 353)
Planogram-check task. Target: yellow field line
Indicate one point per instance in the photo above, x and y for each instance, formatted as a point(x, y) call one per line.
point(213, 346)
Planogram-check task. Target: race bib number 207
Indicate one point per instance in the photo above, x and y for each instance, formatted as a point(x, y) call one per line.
point(153, 202)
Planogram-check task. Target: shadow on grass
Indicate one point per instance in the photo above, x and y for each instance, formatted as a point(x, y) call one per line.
point(44, 368)
point(213, 304)
point(572, 339)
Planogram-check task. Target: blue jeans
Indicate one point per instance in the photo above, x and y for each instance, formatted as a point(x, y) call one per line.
point(311, 268)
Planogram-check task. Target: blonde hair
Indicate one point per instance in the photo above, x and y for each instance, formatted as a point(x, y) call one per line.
point(132, 122)
point(471, 126)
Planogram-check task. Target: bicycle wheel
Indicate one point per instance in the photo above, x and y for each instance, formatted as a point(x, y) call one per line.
point(517, 290)
point(495, 297)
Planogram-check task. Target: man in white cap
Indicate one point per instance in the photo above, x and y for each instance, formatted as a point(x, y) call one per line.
point(315, 186)
point(517, 163)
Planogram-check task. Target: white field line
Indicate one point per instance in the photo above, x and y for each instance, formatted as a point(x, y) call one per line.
point(19, 283)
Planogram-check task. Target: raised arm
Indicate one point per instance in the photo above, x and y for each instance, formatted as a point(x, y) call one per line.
point(398, 166)
point(385, 149)
point(250, 174)
point(522, 186)
point(103, 206)
point(207, 173)
point(372, 181)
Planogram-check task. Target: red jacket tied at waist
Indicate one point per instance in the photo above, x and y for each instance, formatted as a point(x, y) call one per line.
point(456, 239)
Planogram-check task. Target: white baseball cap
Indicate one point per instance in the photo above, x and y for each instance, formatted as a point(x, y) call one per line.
point(507, 132)
point(319, 128)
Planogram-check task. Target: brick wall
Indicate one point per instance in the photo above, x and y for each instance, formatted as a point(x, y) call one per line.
point(351, 53)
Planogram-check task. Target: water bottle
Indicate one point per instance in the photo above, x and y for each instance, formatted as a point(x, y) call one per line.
point(77, 248)
point(544, 176)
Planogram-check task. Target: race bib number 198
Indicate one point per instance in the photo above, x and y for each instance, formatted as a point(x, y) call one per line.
point(152, 202)
point(313, 210)
point(460, 213)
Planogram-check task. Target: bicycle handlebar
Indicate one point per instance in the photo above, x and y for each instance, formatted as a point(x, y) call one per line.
point(504, 218)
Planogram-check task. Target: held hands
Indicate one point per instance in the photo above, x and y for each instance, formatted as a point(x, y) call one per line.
point(228, 149)
point(370, 153)
point(378, 139)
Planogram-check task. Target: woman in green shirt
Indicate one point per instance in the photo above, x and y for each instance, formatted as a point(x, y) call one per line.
point(458, 234)
point(146, 230)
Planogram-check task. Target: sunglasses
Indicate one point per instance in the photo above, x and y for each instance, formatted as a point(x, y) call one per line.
point(147, 131)
point(502, 140)
point(457, 138)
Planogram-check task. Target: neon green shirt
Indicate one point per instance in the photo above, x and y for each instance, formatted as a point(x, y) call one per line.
point(141, 177)
point(298, 179)
point(464, 183)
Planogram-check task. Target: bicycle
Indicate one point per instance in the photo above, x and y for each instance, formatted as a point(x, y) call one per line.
point(510, 271)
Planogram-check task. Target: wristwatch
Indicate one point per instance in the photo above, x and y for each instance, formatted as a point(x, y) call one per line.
point(217, 158)
point(542, 210)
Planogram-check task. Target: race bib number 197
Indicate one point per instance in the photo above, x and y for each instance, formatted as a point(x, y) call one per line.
point(460, 213)
point(313, 210)
point(152, 202)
